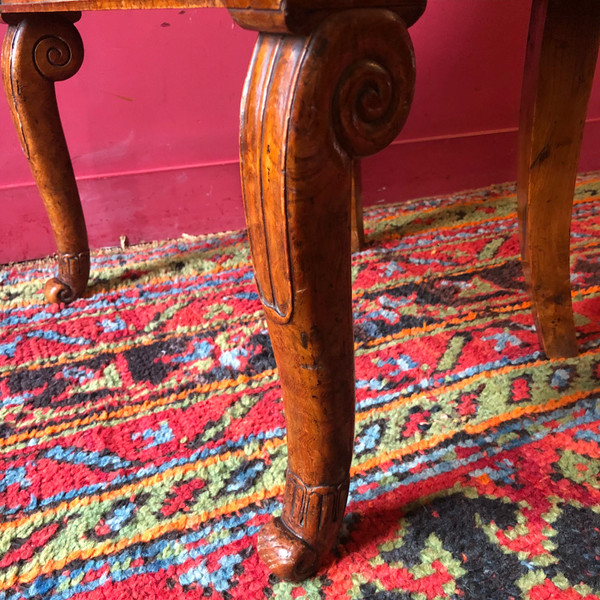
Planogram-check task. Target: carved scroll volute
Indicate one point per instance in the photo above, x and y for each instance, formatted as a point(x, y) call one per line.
point(311, 106)
point(38, 50)
point(340, 94)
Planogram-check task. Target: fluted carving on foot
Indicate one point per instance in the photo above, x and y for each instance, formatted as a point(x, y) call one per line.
point(73, 272)
point(293, 545)
point(312, 509)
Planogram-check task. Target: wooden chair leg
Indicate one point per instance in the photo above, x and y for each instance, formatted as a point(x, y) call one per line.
point(561, 56)
point(38, 50)
point(311, 104)
point(358, 229)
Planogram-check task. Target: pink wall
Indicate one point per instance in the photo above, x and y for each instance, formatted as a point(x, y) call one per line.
point(151, 120)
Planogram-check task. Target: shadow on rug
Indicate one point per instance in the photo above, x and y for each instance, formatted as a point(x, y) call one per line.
point(142, 440)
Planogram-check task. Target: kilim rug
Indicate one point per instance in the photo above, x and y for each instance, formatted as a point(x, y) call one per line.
point(142, 440)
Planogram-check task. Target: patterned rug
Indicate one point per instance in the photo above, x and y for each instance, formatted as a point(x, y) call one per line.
point(142, 440)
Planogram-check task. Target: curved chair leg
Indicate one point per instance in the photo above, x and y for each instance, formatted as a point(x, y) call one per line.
point(358, 229)
point(312, 104)
point(39, 50)
point(561, 56)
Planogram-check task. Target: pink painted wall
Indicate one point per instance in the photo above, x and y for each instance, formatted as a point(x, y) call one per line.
point(151, 120)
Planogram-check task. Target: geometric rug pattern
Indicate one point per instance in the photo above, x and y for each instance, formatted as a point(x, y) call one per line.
point(142, 438)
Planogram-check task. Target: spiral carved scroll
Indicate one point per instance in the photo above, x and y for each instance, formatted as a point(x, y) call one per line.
point(369, 107)
point(59, 56)
point(374, 92)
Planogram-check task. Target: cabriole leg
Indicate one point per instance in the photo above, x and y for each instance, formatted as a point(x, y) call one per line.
point(561, 56)
point(311, 106)
point(38, 50)
point(356, 210)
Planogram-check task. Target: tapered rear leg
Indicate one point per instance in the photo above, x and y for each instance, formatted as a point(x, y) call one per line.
point(38, 50)
point(561, 55)
point(357, 219)
point(311, 105)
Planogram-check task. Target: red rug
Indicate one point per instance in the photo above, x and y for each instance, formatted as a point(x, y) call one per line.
point(142, 437)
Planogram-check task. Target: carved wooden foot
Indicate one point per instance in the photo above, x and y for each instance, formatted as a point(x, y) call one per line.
point(311, 105)
point(38, 50)
point(561, 55)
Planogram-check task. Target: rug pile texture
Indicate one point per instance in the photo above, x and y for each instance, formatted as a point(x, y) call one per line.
point(142, 438)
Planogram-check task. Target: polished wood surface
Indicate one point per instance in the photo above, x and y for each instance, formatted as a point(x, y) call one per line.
point(38, 51)
point(263, 15)
point(358, 241)
point(561, 56)
point(311, 106)
point(22, 6)
point(302, 16)
point(314, 103)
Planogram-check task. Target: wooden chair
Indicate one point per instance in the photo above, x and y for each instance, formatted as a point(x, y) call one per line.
point(329, 82)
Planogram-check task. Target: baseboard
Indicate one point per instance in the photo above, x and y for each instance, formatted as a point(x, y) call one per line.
point(430, 167)
point(144, 207)
point(206, 198)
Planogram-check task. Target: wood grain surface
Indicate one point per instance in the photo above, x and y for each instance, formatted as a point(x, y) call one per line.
point(561, 56)
point(312, 105)
point(39, 50)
